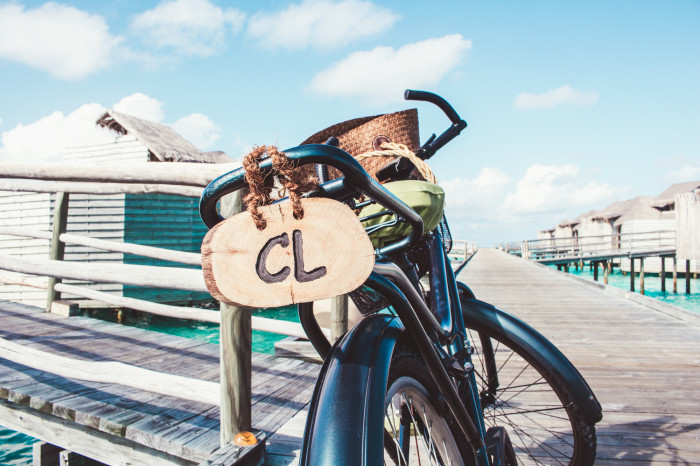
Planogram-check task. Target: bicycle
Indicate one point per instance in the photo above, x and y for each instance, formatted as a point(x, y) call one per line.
point(433, 374)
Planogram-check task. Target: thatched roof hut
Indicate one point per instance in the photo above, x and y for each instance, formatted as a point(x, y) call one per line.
point(666, 200)
point(634, 209)
point(164, 143)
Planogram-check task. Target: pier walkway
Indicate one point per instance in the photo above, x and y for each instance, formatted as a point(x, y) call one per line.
point(643, 366)
point(116, 424)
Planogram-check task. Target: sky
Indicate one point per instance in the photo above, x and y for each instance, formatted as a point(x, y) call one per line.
point(570, 105)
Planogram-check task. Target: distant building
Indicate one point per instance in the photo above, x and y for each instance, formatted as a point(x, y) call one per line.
point(165, 221)
point(643, 216)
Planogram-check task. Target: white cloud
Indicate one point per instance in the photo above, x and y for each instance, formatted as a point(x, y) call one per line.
point(321, 24)
point(190, 27)
point(141, 106)
point(553, 189)
point(684, 173)
point(491, 207)
point(46, 138)
point(380, 75)
point(198, 129)
point(565, 95)
point(483, 192)
point(61, 40)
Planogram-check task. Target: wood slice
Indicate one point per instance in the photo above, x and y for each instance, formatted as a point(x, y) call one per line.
point(325, 254)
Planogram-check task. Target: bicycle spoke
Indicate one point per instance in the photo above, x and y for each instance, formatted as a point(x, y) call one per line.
point(524, 388)
point(542, 445)
point(543, 428)
point(426, 446)
point(391, 420)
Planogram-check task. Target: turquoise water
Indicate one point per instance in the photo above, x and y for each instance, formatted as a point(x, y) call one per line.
point(16, 448)
point(652, 287)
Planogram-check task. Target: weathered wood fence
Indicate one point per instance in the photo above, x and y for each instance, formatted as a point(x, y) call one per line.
point(183, 179)
point(603, 250)
point(462, 250)
point(572, 248)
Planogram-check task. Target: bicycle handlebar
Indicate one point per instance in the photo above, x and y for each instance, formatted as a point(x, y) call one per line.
point(356, 179)
point(400, 168)
point(424, 96)
point(453, 131)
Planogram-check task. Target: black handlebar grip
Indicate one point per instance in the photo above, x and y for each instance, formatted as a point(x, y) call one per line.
point(410, 94)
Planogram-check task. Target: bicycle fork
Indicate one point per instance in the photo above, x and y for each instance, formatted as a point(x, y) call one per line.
point(399, 292)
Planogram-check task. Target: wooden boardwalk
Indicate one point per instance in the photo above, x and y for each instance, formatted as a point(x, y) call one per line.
point(117, 424)
point(644, 366)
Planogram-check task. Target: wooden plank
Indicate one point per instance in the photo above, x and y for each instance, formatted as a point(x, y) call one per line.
point(243, 456)
point(97, 188)
point(136, 249)
point(93, 444)
point(130, 172)
point(127, 274)
point(281, 388)
point(627, 352)
point(112, 372)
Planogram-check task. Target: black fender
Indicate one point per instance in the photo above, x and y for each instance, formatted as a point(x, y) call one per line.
point(483, 315)
point(346, 415)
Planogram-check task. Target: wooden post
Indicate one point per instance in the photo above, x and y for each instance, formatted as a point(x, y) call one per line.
point(339, 316)
point(60, 220)
point(235, 340)
point(631, 274)
point(663, 274)
point(45, 454)
point(687, 277)
point(675, 274)
point(641, 275)
point(236, 363)
point(606, 271)
point(595, 270)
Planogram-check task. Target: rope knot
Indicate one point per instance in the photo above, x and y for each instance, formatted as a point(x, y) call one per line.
point(293, 181)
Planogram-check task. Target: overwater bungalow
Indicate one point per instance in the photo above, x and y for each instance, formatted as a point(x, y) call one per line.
point(165, 221)
point(646, 220)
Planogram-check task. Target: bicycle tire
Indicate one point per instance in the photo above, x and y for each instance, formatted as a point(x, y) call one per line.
point(419, 428)
point(533, 403)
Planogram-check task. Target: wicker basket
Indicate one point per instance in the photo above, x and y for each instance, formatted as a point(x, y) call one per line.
point(366, 134)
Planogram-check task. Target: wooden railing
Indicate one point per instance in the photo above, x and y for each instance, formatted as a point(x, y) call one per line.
point(183, 179)
point(462, 250)
point(637, 244)
point(233, 393)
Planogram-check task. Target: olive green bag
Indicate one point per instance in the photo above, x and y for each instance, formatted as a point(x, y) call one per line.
point(426, 198)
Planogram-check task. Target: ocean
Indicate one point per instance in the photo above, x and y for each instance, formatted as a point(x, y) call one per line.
point(652, 287)
point(16, 448)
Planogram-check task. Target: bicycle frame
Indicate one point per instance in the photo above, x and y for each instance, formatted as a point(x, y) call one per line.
point(359, 362)
point(439, 337)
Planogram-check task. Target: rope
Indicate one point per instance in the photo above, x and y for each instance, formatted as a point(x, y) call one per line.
point(392, 149)
point(292, 179)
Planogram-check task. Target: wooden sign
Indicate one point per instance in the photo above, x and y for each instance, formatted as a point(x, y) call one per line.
point(325, 254)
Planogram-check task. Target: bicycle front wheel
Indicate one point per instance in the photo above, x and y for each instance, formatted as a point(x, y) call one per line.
point(418, 428)
point(533, 404)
